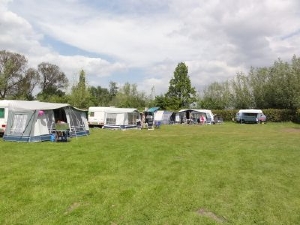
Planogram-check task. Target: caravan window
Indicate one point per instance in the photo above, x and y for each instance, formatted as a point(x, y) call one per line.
point(92, 114)
point(1, 112)
point(111, 118)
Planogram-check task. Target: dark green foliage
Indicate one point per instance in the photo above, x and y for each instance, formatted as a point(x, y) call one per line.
point(99, 96)
point(181, 93)
point(277, 86)
point(80, 95)
point(280, 115)
point(129, 97)
point(52, 83)
point(226, 114)
point(161, 101)
point(217, 96)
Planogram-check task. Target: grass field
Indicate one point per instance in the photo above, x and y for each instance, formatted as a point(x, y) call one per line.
point(178, 174)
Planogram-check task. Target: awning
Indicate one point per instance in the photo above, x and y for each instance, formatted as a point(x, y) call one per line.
point(153, 109)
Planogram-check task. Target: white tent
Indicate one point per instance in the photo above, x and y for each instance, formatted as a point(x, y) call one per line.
point(193, 115)
point(163, 116)
point(32, 121)
point(4, 104)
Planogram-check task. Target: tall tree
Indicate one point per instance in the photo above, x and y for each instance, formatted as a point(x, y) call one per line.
point(26, 87)
point(129, 97)
point(242, 94)
point(161, 101)
point(180, 93)
point(113, 89)
point(283, 86)
point(15, 78)
point(217, 96)
point(259, 79)
point(295, 73)
point(53, 80)
point(79, 93)
point(99, 96)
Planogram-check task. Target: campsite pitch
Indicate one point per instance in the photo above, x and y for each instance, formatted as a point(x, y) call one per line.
point(178, 174)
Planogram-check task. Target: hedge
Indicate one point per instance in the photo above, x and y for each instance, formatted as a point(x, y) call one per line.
point(273, 115)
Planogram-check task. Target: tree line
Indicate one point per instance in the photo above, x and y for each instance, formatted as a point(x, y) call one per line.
point(277, 86)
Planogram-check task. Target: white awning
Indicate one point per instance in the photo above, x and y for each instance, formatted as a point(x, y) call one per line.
point(34, 105)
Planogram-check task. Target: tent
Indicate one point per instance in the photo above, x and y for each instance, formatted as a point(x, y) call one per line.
point(33, 121)
point(4, 113)
point(163, 117)
point(120, 118)
point(193, 116)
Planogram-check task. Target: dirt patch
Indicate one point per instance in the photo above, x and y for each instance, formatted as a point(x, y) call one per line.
point(292, 130)
point(72, 207)
point(211, 215)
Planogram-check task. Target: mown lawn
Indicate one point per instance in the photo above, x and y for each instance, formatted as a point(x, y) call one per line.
point(178, 174)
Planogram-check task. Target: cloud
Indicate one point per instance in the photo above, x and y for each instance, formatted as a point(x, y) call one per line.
point(215, 38)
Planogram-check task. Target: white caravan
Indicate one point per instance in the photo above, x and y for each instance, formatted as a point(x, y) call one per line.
point(113, 118)
point(3, 115)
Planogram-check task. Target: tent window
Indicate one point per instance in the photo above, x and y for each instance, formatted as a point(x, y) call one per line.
point(111, 118)
point(19, 124)
point(1, 112)
point(132, 117)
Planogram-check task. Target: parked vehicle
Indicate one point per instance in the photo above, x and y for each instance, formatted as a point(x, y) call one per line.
point(3, 115)
point(250, 116)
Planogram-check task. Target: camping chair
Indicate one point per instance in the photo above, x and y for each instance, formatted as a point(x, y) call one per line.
point(62, 132)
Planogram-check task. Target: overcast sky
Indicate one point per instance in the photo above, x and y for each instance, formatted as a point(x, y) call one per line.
point(142, 41)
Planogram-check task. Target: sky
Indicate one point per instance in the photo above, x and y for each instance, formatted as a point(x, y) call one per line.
point(141, 42)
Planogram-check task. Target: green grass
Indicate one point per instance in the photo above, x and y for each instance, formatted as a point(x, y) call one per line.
point(178, 174)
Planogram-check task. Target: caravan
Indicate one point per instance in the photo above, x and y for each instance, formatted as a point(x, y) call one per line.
point(33, 121)
point(113, 118)
point(3, 115)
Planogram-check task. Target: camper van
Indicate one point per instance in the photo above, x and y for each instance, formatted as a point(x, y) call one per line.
point(250, 116)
